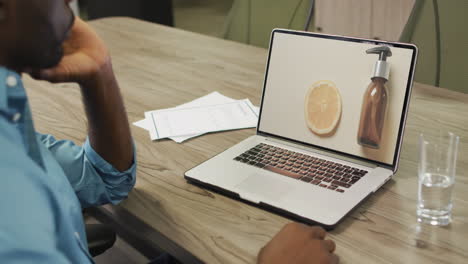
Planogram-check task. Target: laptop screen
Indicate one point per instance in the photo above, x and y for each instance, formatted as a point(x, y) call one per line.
point(345, 95)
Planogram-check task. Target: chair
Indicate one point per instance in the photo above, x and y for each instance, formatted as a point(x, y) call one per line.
point(439, 29)
point(100, 238)
point(251, 21)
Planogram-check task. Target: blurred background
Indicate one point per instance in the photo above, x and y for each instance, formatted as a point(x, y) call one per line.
point(438, 27)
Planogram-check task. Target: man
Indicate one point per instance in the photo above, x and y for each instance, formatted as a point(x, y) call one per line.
point(45, 182)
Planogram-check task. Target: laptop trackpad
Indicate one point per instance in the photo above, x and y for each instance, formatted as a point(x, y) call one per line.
point(262, 187)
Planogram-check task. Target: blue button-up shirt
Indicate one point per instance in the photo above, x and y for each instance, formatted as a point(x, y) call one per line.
point(45, 183)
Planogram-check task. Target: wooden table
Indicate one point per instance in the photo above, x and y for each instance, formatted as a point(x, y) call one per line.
point(160, 67)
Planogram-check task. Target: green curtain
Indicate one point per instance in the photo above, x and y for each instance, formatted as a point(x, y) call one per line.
point(251, 21)
point(421, 30)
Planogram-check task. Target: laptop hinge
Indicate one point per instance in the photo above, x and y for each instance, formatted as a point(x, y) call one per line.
point(325, 153)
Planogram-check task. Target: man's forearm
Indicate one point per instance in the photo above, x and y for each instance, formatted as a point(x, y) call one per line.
point(108, 128)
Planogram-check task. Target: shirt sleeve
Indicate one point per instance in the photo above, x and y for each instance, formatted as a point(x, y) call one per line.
point(94, 180)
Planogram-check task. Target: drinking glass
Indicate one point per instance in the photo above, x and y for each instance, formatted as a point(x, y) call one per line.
point(437, 168)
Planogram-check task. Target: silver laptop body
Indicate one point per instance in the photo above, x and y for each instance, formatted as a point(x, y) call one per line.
point(294, 167)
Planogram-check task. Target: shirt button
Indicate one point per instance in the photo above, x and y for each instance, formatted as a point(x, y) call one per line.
point(11, 81)
point(16, 117)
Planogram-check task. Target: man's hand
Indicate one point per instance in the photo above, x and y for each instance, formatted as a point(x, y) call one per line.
point(86, 61)
point(298, 243)
point(85, 58)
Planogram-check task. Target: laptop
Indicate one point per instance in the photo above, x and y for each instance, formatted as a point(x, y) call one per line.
point(330, 127)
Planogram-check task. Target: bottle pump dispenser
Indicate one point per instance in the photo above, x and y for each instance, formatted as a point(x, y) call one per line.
point(375, 101)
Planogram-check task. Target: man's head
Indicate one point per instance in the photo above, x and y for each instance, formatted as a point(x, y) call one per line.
point(32, 32)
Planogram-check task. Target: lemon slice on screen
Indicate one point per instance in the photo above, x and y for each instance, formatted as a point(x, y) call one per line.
point(323, 107)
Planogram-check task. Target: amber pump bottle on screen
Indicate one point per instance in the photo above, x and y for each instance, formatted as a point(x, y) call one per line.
point(374, 106)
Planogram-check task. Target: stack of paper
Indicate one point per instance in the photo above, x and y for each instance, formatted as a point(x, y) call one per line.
point(211, 113)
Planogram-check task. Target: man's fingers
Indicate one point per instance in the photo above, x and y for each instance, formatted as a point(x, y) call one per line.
point(334, 259)
point(58, 74)
point(318, 232)
point(329, 245)
point(43, 75)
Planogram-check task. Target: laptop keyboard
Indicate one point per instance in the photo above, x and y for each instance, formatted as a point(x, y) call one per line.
point(326, 174)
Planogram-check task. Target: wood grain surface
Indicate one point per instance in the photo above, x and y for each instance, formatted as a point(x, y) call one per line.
point(160, 67)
